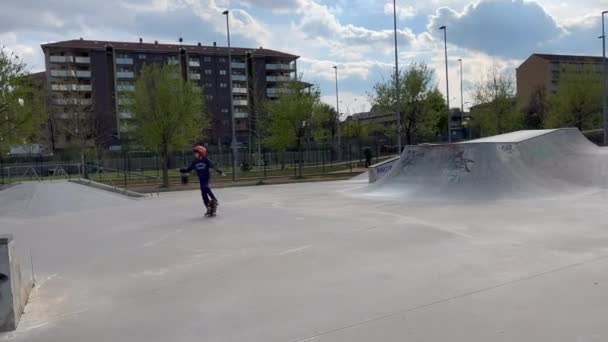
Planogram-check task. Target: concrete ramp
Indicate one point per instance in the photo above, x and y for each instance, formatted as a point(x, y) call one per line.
point(519, 164)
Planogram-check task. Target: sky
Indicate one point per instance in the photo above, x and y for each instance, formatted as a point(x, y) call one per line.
point(355, 35)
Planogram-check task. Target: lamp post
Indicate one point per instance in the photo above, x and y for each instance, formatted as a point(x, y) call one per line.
point(338, 111)
point(234, 149)
point(461, 90)
point(605, 85)
point(397, 78)
point(447, 79)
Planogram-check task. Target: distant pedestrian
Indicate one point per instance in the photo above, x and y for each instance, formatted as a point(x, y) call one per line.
point(368, 156)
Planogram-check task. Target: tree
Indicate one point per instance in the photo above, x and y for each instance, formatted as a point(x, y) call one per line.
point(293, 117)
point(419, 106)
point(496, 111)
point(73, 117)
point(577, 102)
point(168, 112)
point(537, 109)
point(22, 103)
point(358, 131)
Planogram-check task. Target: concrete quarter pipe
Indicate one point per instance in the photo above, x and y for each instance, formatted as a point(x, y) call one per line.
point(531, 163)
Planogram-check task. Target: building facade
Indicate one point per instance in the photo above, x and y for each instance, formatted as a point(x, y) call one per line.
point(96, 76)
point(544, 71)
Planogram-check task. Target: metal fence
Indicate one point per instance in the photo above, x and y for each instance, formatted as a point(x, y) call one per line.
point(140, 168)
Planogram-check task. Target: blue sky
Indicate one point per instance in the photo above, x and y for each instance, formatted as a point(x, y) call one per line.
point(356, 35)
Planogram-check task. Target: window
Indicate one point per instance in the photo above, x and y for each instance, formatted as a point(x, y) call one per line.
point(208, 72)
point(223, 85)
point(206, 59)
point(209, 97)
point(225, 110)
point(141, 56)
point(208, 85)
point(222, 60)
point(222, 72)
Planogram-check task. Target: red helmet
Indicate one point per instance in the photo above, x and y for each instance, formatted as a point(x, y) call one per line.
point(201, 150)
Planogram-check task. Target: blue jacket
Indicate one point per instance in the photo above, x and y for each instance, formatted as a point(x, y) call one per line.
point(203, 167)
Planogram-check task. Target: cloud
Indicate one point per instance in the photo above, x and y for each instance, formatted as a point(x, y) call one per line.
point(508, 28)
point(318, 23)
point(404, 11)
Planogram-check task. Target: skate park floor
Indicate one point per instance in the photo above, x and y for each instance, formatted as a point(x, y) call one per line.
point(307, 262)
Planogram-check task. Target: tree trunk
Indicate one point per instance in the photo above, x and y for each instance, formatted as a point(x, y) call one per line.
point(300, 161)
point(165, 162)
point(85, 171)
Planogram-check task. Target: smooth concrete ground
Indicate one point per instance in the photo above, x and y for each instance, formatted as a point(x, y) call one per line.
point(308, 262)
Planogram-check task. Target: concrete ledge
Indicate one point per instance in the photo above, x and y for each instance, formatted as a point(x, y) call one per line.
point(107, 187)
point(6, 186)
point(14, 291)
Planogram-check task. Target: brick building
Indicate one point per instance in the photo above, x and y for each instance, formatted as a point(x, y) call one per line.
point(544, 71)
point(97, 74)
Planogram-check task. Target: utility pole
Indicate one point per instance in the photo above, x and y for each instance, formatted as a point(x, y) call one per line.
point(605, 81)
point(447, 81)
point(234, 149)
point(397, 105)
point(338, 113)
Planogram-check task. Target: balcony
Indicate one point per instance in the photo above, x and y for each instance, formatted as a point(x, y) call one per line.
point(194, 63)
point(173, 61)
point(124, 101)
point(194, 76)
point(83, 73)
point(284, 67)
point(125, 87)
point(71, 73)
point(239, 90)
point(239, 102)
point(241, 115)
point(125, 115)
point(124, 74)
point(83, 60)
point(73, 101)
point(71, 87)
point(124, 61)
point(278, 79)
point(239, 78)
point(61, 59)
point(237, 65)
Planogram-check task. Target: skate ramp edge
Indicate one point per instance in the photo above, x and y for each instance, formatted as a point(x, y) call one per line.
point(378, 171)
point(101, 186)
point(513, 165)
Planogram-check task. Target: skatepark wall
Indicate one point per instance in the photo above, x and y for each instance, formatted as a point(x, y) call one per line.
point(14, 290)
point(520, 164)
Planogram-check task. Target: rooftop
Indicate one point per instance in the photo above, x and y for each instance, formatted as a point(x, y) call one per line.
point(158, 47)
point(569, 58)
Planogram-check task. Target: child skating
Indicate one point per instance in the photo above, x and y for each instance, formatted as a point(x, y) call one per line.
point(203, 167)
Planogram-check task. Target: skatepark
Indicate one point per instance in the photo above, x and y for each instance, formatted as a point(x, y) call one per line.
point(497, 239)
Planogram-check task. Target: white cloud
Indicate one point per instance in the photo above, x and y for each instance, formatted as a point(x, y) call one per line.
point(404, 10)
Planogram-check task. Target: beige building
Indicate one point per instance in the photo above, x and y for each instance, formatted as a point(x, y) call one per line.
point(544, 71)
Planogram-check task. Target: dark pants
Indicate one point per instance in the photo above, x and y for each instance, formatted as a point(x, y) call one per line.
point(207, 194)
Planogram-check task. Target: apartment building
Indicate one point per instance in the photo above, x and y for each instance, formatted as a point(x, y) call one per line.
point(96, 76)
point(545, 71)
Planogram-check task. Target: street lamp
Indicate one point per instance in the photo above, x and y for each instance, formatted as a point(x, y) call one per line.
point(461, 90)
point(605, 86)
point(447, 79)
point(397, 78)
point(234, 149)
point(338, 111)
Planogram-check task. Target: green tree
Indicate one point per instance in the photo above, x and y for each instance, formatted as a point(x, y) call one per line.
point(168, 111)
point(496, 109)
point(421, 103)
point(22, 103)
point(537, 109)
point(293, 117)
point(577, 102)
